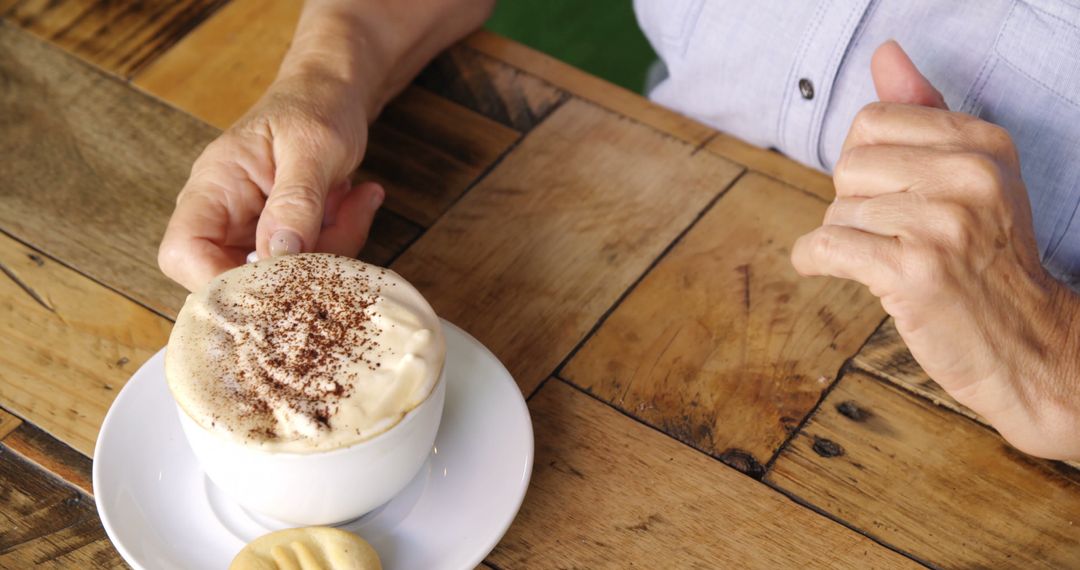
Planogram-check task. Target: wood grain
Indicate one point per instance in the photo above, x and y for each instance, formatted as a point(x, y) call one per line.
point(8, 423)
point(633, 105)
point(427, 150)
point(120, 36)
point(529, 259)
point(222, 67)
point(886, 356)
point(608, 492)
point(773, 164)
point(45, 523)
point(86, 148)
point(931, 482)
point(490, 87)
point(70, 344)
point(723, 346)
point(52, 455)
point(589, 87)
point(390, 235)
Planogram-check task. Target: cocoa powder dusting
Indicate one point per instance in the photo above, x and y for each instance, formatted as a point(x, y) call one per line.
point(303, 322)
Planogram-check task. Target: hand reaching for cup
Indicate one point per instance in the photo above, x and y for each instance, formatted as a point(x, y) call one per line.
point(275, 182)
point(932, 215)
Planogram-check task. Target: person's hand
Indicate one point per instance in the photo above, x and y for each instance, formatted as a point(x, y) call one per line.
point(932, 215)
point(277, 182)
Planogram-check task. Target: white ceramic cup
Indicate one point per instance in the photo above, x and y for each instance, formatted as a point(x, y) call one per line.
point(325, 487)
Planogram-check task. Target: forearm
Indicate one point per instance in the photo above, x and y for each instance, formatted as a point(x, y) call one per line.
point(375, 47)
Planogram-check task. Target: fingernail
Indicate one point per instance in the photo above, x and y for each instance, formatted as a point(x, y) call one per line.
point(377, 197)
point(284, 242)
point(253, 257)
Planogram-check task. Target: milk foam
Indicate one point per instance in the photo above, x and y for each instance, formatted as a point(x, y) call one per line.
point(304, 353)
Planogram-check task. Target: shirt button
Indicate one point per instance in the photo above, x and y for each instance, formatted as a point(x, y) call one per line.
point(806, 89)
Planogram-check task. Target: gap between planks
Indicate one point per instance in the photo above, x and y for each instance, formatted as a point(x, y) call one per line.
point(790, 496)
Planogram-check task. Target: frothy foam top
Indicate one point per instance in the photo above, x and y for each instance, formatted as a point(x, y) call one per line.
point(304, 353)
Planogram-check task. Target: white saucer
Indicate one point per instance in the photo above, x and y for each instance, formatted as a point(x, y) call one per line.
point(161, 512)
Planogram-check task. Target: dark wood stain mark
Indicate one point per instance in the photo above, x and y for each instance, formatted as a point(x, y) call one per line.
point(743, 462)
point(565, 468)
point(46, 520)
point(36, 259)
point(745, 270)
point(390, 235)
point(36, 446)
point(646, 524)
point(827, 447)
point(852, 411)
point(27, 288)
point(491, 88)
point(121, 36)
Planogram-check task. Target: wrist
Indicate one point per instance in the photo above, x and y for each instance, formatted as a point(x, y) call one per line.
point(331, 47)
point(1052, 380)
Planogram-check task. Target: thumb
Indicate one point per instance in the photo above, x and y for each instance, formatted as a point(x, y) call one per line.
point(292, 217)
point(897, 80)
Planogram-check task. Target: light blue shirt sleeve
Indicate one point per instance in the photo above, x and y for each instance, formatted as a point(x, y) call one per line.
point(791, 75)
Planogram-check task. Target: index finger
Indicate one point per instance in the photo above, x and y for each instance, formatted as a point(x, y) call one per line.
point(196, 246)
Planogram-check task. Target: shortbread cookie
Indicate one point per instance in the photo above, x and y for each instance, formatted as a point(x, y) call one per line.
point(311, 548)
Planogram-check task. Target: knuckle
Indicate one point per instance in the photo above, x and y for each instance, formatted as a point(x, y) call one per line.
point(823, 244)
point(845, 169)
point(994, 137)
point(169, 258)
point(323, 137)
point(955, 224)
point(869, 118)
point(960, 123)
point(297, 199)
point(980, 172)
point(924, 264)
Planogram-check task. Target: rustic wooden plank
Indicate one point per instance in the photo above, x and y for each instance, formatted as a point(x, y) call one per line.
point(633, 105)
point(773, 164)
point(222, 67)
point(219, 70)
point(589, 87)
point(70, 344)
point(81, 144)
point(608, 492)
point(120, 36)
point(491, 87)
point(886, 356)
point(390, 235)
point(427, 150)
point(723, 345)
point(530, 259)
point(931, 482)
point(8, 423)
point(47, 523)
point(52, 455)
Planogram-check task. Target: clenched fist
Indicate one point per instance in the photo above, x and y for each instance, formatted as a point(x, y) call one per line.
point(932, 215)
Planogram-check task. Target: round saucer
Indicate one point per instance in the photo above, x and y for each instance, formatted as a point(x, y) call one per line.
point(161, 512)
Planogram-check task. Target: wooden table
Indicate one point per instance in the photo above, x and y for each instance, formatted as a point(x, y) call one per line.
point(696, 404)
